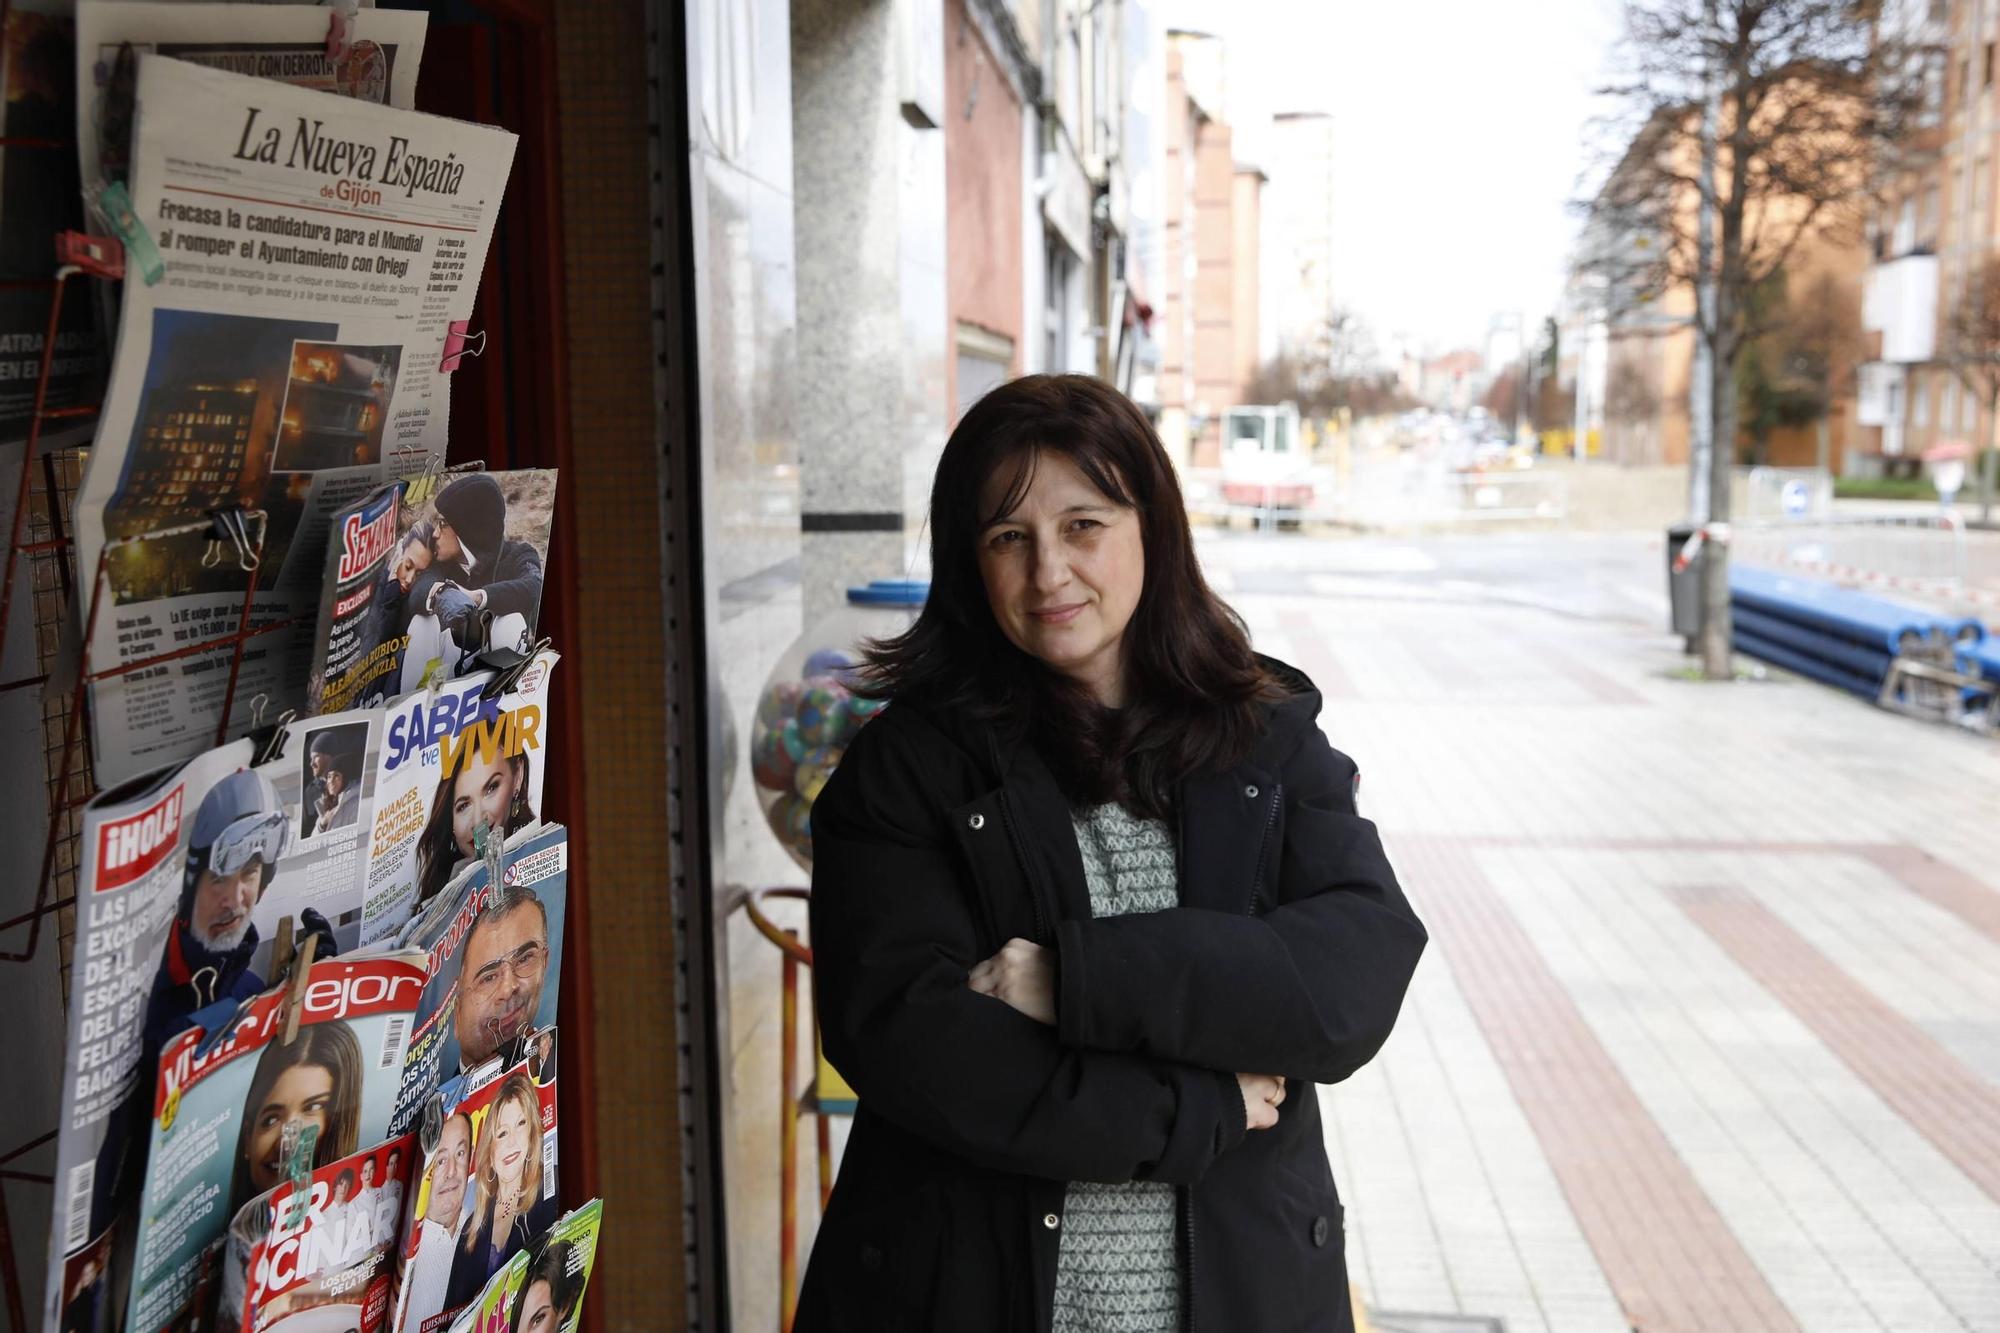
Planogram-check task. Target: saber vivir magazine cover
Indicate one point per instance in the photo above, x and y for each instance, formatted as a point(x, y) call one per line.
point(452, 759)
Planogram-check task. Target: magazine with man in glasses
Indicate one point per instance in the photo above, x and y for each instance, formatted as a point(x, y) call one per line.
point(495, 954)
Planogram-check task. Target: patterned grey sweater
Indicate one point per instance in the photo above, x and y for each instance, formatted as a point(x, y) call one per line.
point(1117, 1266)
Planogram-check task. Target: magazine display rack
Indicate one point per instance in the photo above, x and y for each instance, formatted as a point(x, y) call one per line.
point(41, 555)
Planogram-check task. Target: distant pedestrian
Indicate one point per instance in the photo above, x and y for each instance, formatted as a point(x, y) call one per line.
point(1092, 911)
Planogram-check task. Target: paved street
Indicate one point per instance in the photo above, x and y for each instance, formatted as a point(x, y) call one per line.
point(1708, 1036)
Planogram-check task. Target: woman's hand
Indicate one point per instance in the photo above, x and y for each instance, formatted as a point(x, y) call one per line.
point(1263, 1094)
point(1022, 975)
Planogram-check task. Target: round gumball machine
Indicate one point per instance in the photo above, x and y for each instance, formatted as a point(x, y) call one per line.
point(807, 714)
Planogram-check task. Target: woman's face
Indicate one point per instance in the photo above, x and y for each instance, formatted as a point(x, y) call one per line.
point(1063, 571)
point(512, 1141)
point(538, 1310)
point(482, 792)
point(336, 782)
point(413, 560)
point(303, 1093)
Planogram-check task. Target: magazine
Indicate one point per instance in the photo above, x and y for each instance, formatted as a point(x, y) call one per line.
point(490, 1142)
point(282, 42)
point(317, 249)
point(38, 199)
point(541, 1288)
point(328, 1247)
point(423, 574)
point(131, 890)
point(488, 1314)
point(222, 1108)
point(451, 760)
point(493, 969)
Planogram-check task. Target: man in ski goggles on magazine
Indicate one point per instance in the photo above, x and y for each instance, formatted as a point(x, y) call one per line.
point(240, 831)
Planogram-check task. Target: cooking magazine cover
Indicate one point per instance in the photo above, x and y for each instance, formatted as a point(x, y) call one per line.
point(322, 1251)
point(227, 1102)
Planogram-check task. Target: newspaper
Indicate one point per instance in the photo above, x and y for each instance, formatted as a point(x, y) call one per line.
point(221, 1108)
point(493, 966)
point(38, 199)
point(451, 760)
point(541, 1288)
point(421, 575)
point(490, 1141)
point(322, 1251)
point(286, 43)
point(317, 248)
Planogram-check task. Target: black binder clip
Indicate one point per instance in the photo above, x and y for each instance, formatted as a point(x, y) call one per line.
point(231, 527)
point(269, 742)
point(506, 664)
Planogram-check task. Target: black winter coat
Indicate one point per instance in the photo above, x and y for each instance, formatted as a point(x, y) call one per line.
point(935, 842)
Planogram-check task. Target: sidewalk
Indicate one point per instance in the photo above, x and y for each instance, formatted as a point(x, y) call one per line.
point(1708, 1036)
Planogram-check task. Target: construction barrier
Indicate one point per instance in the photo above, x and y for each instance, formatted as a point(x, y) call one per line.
point(1901, 657)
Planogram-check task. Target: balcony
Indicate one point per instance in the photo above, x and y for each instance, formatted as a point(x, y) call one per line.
point(1900, 303)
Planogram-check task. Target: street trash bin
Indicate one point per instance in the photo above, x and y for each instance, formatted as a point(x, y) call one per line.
point(1684, 588)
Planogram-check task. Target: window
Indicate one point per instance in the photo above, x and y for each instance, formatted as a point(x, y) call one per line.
point(1988, 81)
point(1057, 280)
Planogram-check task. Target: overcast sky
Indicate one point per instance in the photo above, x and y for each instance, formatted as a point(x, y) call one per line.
point(1459, 127)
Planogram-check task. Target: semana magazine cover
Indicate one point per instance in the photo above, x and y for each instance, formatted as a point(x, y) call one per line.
point(351, 664)
point(486, 1185)
point(223, 1104)
point(493, 964)
point(323, 1253)
point(415, 597)
point(451, 759)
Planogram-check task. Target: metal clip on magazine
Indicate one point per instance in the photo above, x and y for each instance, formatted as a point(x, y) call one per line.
point(507, 664)
point(232, 526)
point(271, 747)
point(488, 841)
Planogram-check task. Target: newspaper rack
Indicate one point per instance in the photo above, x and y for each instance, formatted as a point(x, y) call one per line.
point(41, 553)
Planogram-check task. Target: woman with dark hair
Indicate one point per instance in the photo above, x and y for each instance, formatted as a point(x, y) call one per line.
point(508, 1207)
point(314, 1081)
point(549, 1291)
point(493, 790)
point(1091, 903)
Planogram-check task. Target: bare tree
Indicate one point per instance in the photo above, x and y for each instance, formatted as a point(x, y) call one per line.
point(1805, 97)
point(1330, 371)
point(1972, 350)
